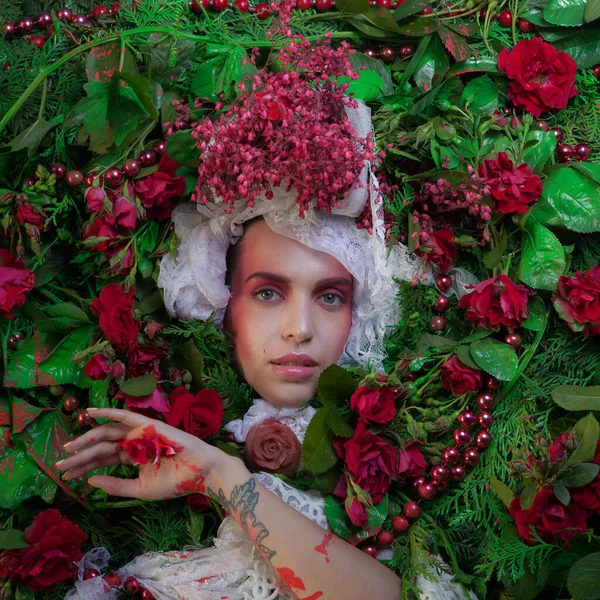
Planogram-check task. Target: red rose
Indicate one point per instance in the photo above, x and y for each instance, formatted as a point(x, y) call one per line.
point(512, 188)
point(273, 447)
point(149, 446)
point(102, 228)
point(552, 520)
point(97, 367)
point(157, 192)
point(577, 301)
point(440, 249)
point(55, 545)
point(540, 77)
point(145, 358)
point(114, 307)
point(558, 448)
point(15, 283)
point(27, 213)
point(411, 461)
point(156, 401)
point(124, 212)
point(198, 503)
point(201, 415)
point(495, 302)
point(458, 378)
point(371, 461)
point(374, 405)
point(357, 513)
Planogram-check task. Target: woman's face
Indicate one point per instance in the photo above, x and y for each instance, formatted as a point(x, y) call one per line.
point(290, 314)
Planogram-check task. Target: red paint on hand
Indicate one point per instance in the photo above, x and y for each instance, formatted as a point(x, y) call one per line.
point(322, 547)
point(290, 579)
point(150, 445)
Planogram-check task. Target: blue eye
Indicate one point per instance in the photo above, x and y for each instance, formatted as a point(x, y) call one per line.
point(265, 295)
point(333, 298)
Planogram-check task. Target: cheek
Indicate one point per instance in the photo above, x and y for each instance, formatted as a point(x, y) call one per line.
point(336, 331)
point(250, 332)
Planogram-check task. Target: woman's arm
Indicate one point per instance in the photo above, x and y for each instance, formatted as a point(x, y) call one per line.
point(314, 563)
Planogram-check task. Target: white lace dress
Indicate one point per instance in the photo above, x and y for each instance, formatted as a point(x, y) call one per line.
point(231, 569)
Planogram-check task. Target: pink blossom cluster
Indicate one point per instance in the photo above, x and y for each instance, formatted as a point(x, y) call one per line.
point(291, 129)
point(440, 202)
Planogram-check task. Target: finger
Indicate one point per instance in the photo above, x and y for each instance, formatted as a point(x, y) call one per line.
point(115, 486)
point(112, 432)
point(103, 461)
point(124, 416)
point(88, 455)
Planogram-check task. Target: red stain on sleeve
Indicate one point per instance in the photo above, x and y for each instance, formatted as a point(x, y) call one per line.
point(322, 547)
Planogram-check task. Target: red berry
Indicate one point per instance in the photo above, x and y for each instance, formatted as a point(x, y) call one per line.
point(427, 491)
point(25, 25)
point(71, 403)
point(443, 283)
point(513, 339)
point(90, 574)
point(439, 473)
point(458, 473)
point(196, 6)
point(564, 152)
point(74, 178)
point(263, 11)
point(99, 11)
point(596, 71)
point(323, 5)
point(471, 457)
point(147, 158)
point(303, 4)
point(59, 170)
point(114, 176)
point(44, 20)
point(451, 455)
point(505, 18)
point(407, 51)
point(418, 482)
point(485, 401)
point(467, 418)
point(385, 3)
point(427, 10)
point(220, 5)
point(160, 147)
point(131, 167)
point(37, 40)
point(385, 538)
point(525, 26)
point(115, 8)
point(242, 6)
point(441, 304)
point(583, 151)
point(400, 523)
point(461, 436)
point(543, 125)
point(485, 419)
point(483, 439)
point(411, 509)
point(132, 585)
point(558, 133)
point(112, 579)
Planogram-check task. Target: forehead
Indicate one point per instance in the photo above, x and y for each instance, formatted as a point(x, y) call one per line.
point(264, 250)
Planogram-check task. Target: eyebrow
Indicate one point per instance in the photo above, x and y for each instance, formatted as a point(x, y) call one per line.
point(321, 283)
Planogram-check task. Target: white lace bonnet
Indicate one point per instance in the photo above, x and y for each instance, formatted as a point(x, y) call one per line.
point(194, 284)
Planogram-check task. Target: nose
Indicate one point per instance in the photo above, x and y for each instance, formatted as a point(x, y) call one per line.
point(298, 322)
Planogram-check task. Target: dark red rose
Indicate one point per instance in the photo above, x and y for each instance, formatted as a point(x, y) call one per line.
point(199, 503)
point(145, 358)
point(411, 461)
point(495, 302)
point(15, 283)
point(121, 258)
point(114, 307)
point(577, 301)
point(124, 212)
point(357, 513)
point(512, 188)
point(102, 228)
point(552, 520)
point(27, 213)
point(588, 497)
point(97, 367)
point(370, 459)
point(150, 405)
point(458, 378)
point(558, 448)
point(440, 249)
point(55, 545)
point(159, 191)
point(201, 415)
point(273, 447)
point(374, 405)
point(540, 77)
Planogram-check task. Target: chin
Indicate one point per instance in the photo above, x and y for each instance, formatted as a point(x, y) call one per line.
point(290, 395)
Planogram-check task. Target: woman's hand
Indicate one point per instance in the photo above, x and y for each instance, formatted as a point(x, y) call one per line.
point(171, 462)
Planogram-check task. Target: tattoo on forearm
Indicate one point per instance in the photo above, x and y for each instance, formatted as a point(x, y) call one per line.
point(240, 506)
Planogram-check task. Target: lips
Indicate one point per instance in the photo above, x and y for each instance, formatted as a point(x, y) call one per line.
point(299, 360)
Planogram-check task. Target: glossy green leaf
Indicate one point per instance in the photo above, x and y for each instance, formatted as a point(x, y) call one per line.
point(31, 138)
point(143, 90)
point(528, 496)
point(492, 258)
point(69, 310)
point(205, 79)
point(464, 355)
point(502, 491)
point(480, 96)
point(318, 454)
point(170, 59)
point(377, 21)
point(335, 386)
point(432, 66)
point(103, 61)
point(454, 43)
point(5, 418)
point(429, 340)
point(592, 11)
point(565, 12)
point(496, 358)
point(538, 315)
point(339, 424)
point(590, 170)
point(12, 539)
point(475, 65)
point(181, 147)
point(368, 88)
point(408, 8)
point(542, 260)
point(583, 580)
point(561, 493)
point(538, 155)
point(583, 47)
point(570, 199)
point(23, 414)
point(352, 6)
point(418, 27)
point(572, 397)
point(139, 386)
point(477, 334)
point(586, 432)
point(359, 60)
point(377, 516)
point(578, 475)
point(338, 518)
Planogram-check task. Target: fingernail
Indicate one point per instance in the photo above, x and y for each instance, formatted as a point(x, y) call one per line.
point(67, 444)
point(92, 484)
point(65, 477)
point(60, 462)
point(90, 409)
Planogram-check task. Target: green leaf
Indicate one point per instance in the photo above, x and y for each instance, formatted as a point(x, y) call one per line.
point(590, 170)
point(358, 60)
point(31, 138)
point(338, 424)
point(139, 386)
point(569, 13)
point(586, 432)
point(572, 397)
point(69, 310)
point(103, 61)
point(418, 27)
point(410, 7)
point(543, 258)
point(352, 6)
point(428, 340)
point(477, 334)
point(99, 393)
point(492, 258)
point(369, 87)
point(318, 454)
point(144, 90)
point(454, 43)
point(538, 314)
point(583, 580)
point(23, 413)
point(464, 354)
point(338, 518)
point(503, 491)
point(578, 475)
point(432, 66)
point(592, 11)
point(193, 362)
point(475, 65)
point(376, 21)
point(539, 154)
point(411, 67)
point(377, 516)
point(171, 59)
point(480, 96)
point(335, 386)
point(570, 199)
point(205, 79)
point(5, 418)
point(583, 47)
point(12, 539)
point(561, 493)
point(195, 527)
point(496, 358)
point(528, 496)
